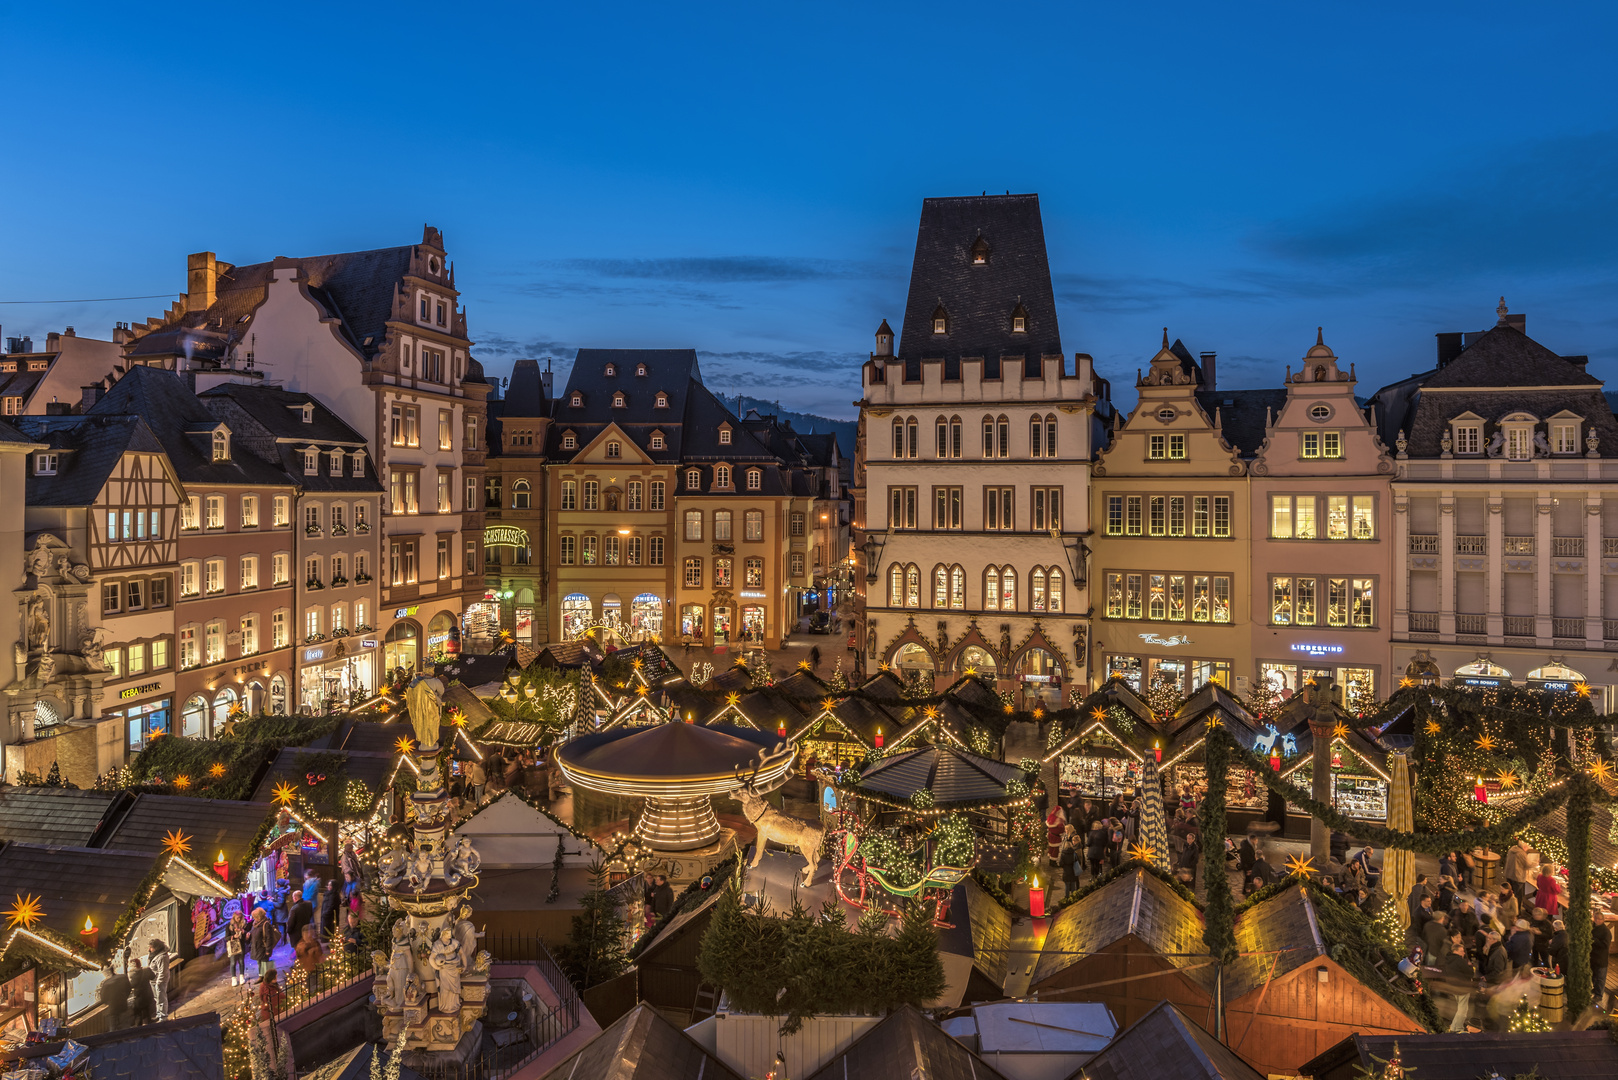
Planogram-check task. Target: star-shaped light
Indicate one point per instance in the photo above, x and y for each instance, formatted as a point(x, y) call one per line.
point(1300, 866)
point(1582, 688)
point(884, 666)
point(970, 671)
point(1213, 722)
point(741, 662)
point(638, 663)
point(1340, 731)
point(1098, 713)
point(1142, 852)
point(1600, 770)
point(1039, 712)
point(732, 698)
point(1485, 743)
point(216, 770)
point(1507, 780)
point(930, 712)
point(25, 912)
point(827, 703)
point(1406, 682)
point(285, 793)
point(403, 744)
point(175, 843)
point(1433, 727)
point(1009, 709)
point(182, 781)
point(641, 690)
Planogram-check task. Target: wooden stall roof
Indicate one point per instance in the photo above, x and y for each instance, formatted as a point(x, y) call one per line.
point(477, 669)
point(953, 776)
point(1193, 714)
point(980, 930)
point(73, 883)
point(461, 696)
point(642, 1045)
point(191, 1048)
point(47, 815)
point(907, 1044)
point(1163, 1044)
point(1286, 926)
point(212, 825)
point(1137, 904)
point(884, 685)
point(371, 768)
point(569, 654)
point(370, 736)
point(1558, 1055)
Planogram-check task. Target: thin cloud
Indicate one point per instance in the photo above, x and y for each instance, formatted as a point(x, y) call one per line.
point(727, 269)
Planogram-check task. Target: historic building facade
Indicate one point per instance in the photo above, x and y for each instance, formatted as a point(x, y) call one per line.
point(970, 493)
point(515, 541)
point(380, 338)
point(1505, 518)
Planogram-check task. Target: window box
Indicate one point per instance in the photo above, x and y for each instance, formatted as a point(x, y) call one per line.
point(311, 530)
point(339, 530)
point(365, 628)
point(338, 582)
point(312, 638)
point(313, 584)
point(362, 579)
point(362, 528)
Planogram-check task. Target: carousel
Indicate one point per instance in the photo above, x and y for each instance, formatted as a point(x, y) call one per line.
point(676, 768)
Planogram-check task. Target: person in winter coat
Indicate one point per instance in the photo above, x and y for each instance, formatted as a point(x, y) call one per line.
point(140, 993)
point(157, 962)
point(1435, 938)
point(1115, 842)
point(1189, 854)
point(1517, 864)
point(1247, 852)
point(1520, 946)
point(1556, 947)
point(1068, 860)
point(299, 917)
point(1548, 891)
point(236, 948)
point(1506, 908)
point(113, 995)
point(261, 944)
point(1600, 947)
point(310, 957)
point(1096, 847)
point(1496, 964)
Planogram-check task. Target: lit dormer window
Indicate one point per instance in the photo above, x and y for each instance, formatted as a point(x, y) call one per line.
point(657, 441)
point(721, 476)
point(311, 462)
point(221, 445)
point(359, 463)
point(640, 369)
point(577, 401)
point(308, 412)
point(618, 401)
point(754, 479)
point(1019, 319)
point(1565, 433)
point(662, 400)
point(45, 464)
point(940, 320)
point(724, 436)
point(570, 441)
point(980, 251)
point(336, 463)
point(612, 369)
point(693, 478)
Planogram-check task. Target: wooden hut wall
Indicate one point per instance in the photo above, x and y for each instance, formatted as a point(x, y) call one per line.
point(668, 968)
point(1297, 1017)
point(1101, 977)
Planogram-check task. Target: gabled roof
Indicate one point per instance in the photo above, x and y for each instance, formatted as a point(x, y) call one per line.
point(1558, 1055)
point(90, 448)
point(75, 883)
point(1285, 925)
point(642, 1046)
point(1505, 356)
point(981, 929)
point(1166, 1043)
point(191, 1048)
point(1244, 415)
point(47, 815)
point(181, 422)
point(979, 298)
point(280, 413)
point(212, 825)
point(907, 1044)
point(1135, 903)
point(953, 776)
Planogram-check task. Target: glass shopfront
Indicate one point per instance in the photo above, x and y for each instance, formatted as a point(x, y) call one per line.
point(444, 636)
point(612, 612)
point(691, 621)
point(221, 707)
point(481, 621)
point(401, 648)
point(330, 681)
point(144, 721)
point(194, 717)
point(978, 659)
point(1188, 673)
point(721, 625)
point(1041, 676)
point(753, 622)
point(1286, 679)
point(577, 613)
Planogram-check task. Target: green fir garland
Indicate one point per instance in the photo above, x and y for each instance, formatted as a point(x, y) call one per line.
point(1580, 820)
point(1219, 931)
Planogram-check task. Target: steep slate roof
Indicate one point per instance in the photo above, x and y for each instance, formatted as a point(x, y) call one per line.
point(269, 422)
point(186, 1049)
point(907, 1044)
point(671, 371)
point(1284, 924)
point(75, 882)
point(979, 299)
point(1558, 1055)
point(1165, 1043)
point(1505, 356)
point(9, 434)
point(183, 425)
point(642, 1046)
point(1138, 904)
point(211, 824)
point(45, 815)
point(1243, 415)
point(90, 447)
point(953, 776)
point(981, 929)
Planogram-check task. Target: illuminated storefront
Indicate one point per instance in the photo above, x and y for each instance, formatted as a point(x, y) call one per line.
point(444, 637)
point(577, 614)
point(646, 617)
point(332, 673)
point(402, 646)
point(144, 719)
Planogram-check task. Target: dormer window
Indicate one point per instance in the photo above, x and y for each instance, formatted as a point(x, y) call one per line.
point(721, 476)
point(657, 440)
point(311, 462)
point(1565, 433)
point(577, 401)
point(1019, 319)
point(336, 463)
point(45, 464)
point(308, 412)
point(940, 320)
point(618, 401)
point(615, 449)
point(693, 479)
point(662, 400)
point(980, 252)
point(570, 441)
point(221, 445)
point(612, 369)
point(359, 463)
point(724, 436)
point(755, 479)
point(640, 369)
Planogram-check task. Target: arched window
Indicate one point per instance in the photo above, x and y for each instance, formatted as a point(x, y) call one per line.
point(1003, 431)
point(991, 588)
point(940, 320)
point(1036, 437)
point(519, 495)
point(896, 586)
point(912, 586)
point(721, 476)
point(1053, 591)
point(615, 449)
point(915, 440)
point(640, 369)
point(1036, 590)
point(221, 446)
point(988, 436)
point(1008, 589)
point(955, 436)
point(755, 480)
point(899, 438)
point(940, 587)
point(1050, 436)
point(957, 588)
point(611, 370)
point(693, 479)
point(941, 430)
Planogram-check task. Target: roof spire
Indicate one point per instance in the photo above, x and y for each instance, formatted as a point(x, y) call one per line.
point(1165, 337)
point(1501, 312)
point(1320, 335)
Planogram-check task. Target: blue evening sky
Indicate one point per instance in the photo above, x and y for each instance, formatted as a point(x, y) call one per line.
point(746, 179)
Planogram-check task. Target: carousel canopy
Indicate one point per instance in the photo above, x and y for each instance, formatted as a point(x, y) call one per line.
point(665, 759)
point(953, 776)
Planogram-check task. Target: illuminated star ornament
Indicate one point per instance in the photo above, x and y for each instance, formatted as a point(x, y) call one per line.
point(641, 690)
point(404, 745)
point(1507, 780)
point(216, 770)
point(1142, 852)
point(175, 843)
point(803, 665)
point(1039, 712)
point(1340, 731)
point(1009, 709)
point(25, 912)
point(284, 792)
point(1600, 770)
point(1407, 682)
point(930, 712)
point(884, 666)
point(1300, 866)
point(970, 671)
point(1485, 743)
point(1213, 722)
point(1582, 688)
point(182, 781)
point(1433, 727)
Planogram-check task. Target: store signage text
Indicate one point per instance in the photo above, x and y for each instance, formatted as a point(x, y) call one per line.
point(505, 536)
point(368, 643)
point(1316, 650)
point(311, 655)
point(137, 691)
point(1159, 639)
point(752, 595)
point(406, 611)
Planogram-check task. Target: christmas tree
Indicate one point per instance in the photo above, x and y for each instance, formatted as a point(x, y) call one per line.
point(1387, 927)
point(1528, 1018)
point(758, 669)
point(838, 680)
point(594, 949)
point(1263, 700)
point(1163, 694)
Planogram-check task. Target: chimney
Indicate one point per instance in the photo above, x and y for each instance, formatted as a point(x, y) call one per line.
point(58, 408)
point(1208, 359)
point(69, 332)
point(1577, 361)
point(1449, 347)
point(88, 396)
point(201, 275)
point(120, 334)
point(52, 341)
point(1519, 320)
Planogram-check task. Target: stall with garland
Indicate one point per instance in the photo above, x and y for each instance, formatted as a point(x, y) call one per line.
point(1184, 765)
point(1359, 776)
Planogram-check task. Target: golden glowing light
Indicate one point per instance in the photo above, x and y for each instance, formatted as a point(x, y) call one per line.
point(182, 781)
point(216, 770)
point(638, 662)
point(970, 671)
point(1009, 709)
point(1300, 866)
point(930, 712)
point(1098, 713)
point(1507, 780)
point(175, 843)
point(1213, 722)
point(1433, 727)
point(89, 927)
point(826, 703)
point(284, 792)
point(884, 666)
point(1582, 688)
point(1600, 770)
point(1485, 743)
point(1340, 731)
point(25, 912)
point(1407, 681)
point(732, 698)
point(803, 665)
point(1039, 712)
point(403, 744)
point(1142, 852)
point(641, 690)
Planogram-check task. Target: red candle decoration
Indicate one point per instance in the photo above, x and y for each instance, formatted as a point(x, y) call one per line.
point(221, 868)
point(879, 738)
point(1157, 751)
point(781, 729)
point(1480, 791)
point(1275, 759)
point(1036, 900)
point(90, 935)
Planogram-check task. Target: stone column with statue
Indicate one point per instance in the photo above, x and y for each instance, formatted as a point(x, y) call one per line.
point(433, 985)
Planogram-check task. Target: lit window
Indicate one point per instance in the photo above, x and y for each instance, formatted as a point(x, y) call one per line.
point(44, 464)
point(311, 462)
point(1157, 447)
point(221, 445)
point(577, 401)
point(1177, 447)
point(570, 441)
point(693, 479)
point(216, 512)
point(618, 401)
point(754, 479)
point(657, 441)
point(1565, 438)
point(724, 436)
point(1331, 444)
point(940, 320)
point(1019, 320)
point(640, 369)
point(1311, 444)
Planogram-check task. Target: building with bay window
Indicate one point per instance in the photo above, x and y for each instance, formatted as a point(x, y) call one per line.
point(1505, 518)
point(971, 476)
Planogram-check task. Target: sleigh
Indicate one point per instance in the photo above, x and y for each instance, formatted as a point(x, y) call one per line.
point(855, 876)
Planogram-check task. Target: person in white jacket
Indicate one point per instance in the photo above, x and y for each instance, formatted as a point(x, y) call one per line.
point(157, 963)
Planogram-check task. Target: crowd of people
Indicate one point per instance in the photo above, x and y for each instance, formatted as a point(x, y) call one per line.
point(139, 993)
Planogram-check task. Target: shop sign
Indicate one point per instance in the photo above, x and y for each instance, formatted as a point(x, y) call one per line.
point(1550, 684)
point(368, 643)
point(1316, 650)
point(1159, 639)
point(1480, 680)
point(311, 655)
point(1052, 679)
point(406, 612)
point(435, 640)
point(137, 691)
point(505, 536)
point(752, 595)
